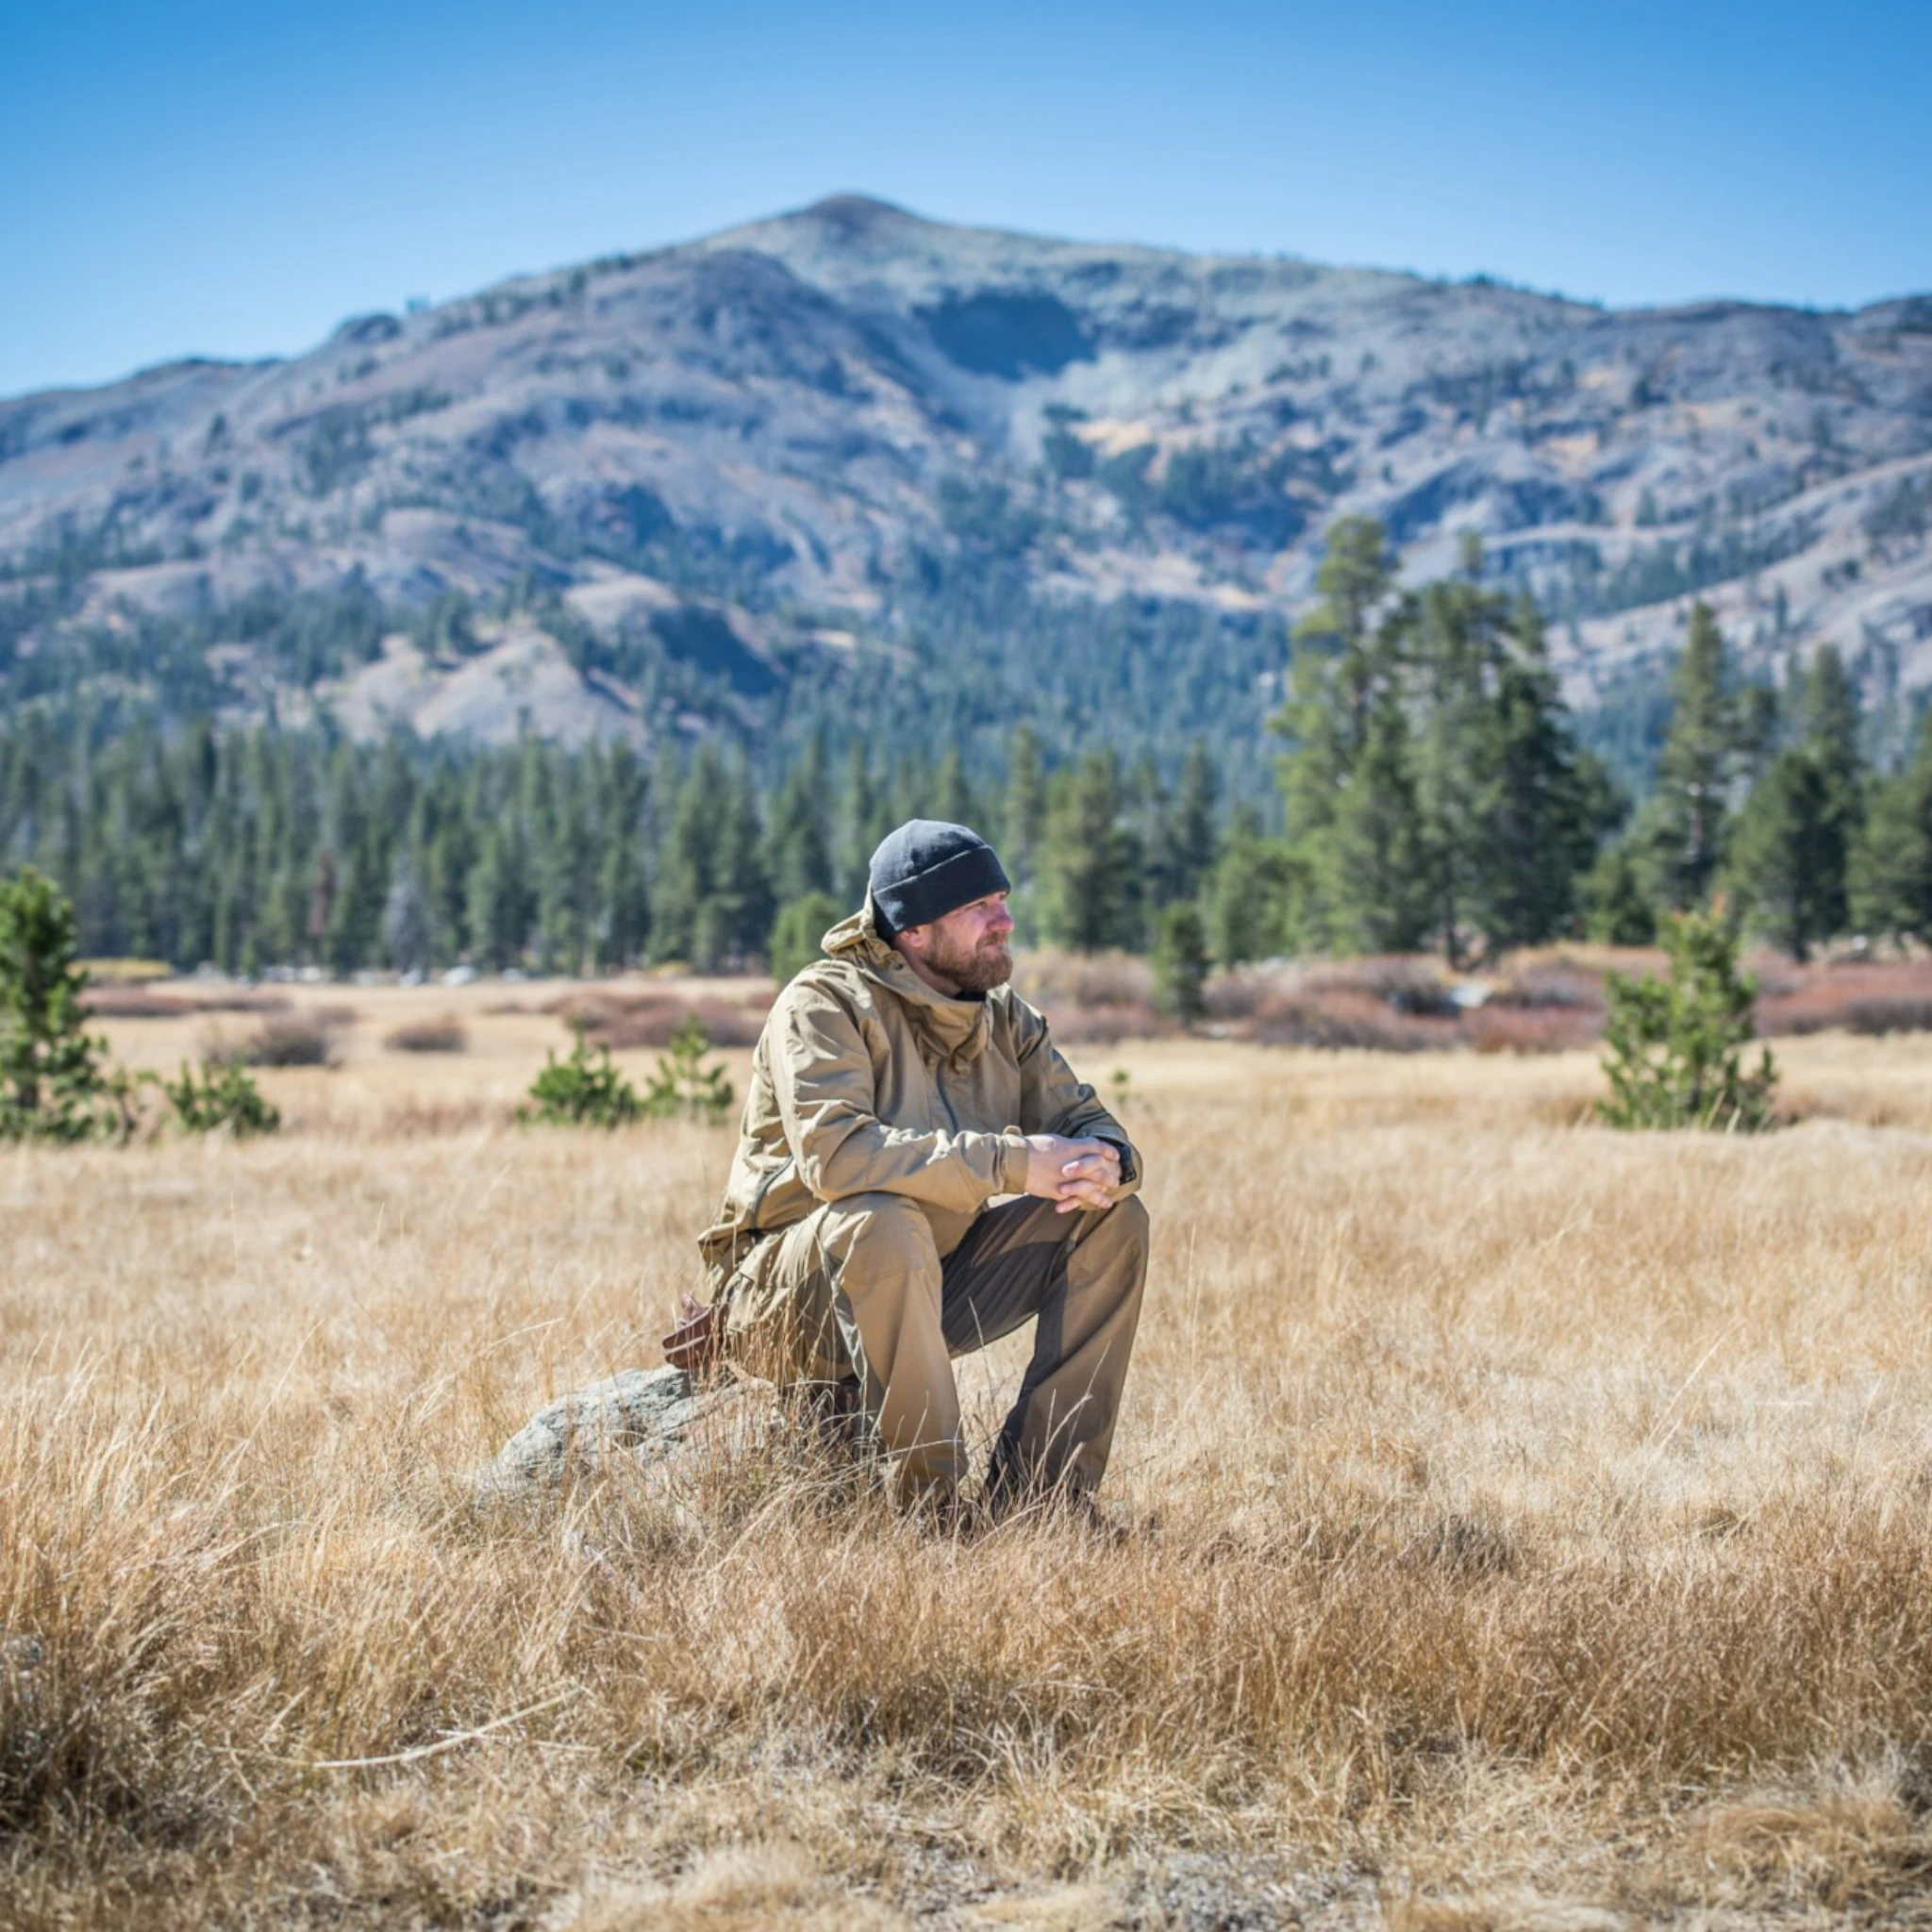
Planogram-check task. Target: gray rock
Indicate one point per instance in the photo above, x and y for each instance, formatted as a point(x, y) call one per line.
point(642, 1414)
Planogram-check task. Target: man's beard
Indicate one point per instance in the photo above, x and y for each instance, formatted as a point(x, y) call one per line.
point(972, 969)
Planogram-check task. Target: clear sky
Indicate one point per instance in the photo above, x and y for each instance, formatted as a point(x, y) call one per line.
point(200, 176)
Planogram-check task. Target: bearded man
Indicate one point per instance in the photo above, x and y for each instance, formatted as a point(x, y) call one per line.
point(900, 1088)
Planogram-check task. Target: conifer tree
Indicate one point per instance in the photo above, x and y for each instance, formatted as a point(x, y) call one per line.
point(1377, 892)
point(1788, 858)
point(1546, 804)
point(796, 932)
point(1456, 659)
point(51, 1083)
point(1891, 870)
point(624, 910)
point(1088, 860)
point(1617, 911)
point(799, 848)
point(498, 919)
point(1181, 961)
point(687, 863)
point(1685, 822)
point(1257, 895)
point(1190, 841)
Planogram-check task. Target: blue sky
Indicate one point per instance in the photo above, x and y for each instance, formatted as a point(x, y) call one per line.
point(216, 178)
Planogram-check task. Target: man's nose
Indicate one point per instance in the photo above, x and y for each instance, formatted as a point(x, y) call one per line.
point(1000, 923)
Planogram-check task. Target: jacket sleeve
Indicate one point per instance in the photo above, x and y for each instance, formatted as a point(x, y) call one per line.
point(1052, 1101)
point(822, 1075)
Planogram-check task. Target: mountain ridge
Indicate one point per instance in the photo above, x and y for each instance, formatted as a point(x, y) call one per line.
point(765, 436)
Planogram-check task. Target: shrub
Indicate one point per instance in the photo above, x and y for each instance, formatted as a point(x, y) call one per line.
point(1052, 981)
point(51, 1086)
point(134, 1003)
point(651, 1019)
point(299, 1039)
point(1860, 998)
point(1674, 1048)
point(1499, 1027)
point(446, 1035)
point(686, 1085)
point(584, 1090)
point(1342, 1016)
point(226, 1097)
point(1405, 982)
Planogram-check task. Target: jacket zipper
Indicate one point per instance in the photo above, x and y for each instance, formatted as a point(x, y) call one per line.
point(758, 1199)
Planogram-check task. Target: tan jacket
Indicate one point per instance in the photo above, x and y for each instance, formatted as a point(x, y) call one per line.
point(865, 1080)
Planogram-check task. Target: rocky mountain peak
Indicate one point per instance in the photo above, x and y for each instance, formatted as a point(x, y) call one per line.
point(777, 429)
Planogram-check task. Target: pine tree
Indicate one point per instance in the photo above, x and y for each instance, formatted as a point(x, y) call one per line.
point(688, 864)
point(51, 1083)
point(1087, 861)
point(1617, 911)
point(1786, 864)
point(1456, 658)
point(952, 798)
point(800, 926)
point(1257, 895)
point(1890, 868)
point(1684, 824)
point(1791, 850)
point(1344, 713)
point(1180, 963)
point(1024, 813)
point(799, 845)
point(1674, 1048)
point(1546, 804)
point(623, 909)
point(1377, 894)
point(1191, 831)
point(498, 903)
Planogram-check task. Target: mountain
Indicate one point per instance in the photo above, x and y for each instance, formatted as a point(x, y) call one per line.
point(849, 451)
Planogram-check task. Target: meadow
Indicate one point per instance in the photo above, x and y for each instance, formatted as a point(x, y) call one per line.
point(1532, 1524)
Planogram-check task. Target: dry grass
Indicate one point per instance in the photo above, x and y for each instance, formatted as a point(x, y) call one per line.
point(1540, 1530)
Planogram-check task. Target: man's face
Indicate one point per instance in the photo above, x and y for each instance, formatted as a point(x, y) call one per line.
point(968, 948)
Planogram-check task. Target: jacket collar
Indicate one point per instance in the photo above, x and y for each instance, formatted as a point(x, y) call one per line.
point(954, 1031)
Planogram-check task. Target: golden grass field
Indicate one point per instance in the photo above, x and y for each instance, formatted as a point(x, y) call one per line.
point(1536, 1528)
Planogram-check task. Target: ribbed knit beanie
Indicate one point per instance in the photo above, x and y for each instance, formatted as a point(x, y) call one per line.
point(927, 869)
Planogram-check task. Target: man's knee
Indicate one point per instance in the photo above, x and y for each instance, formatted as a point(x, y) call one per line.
point(1127, 1224)
point(872, 1229)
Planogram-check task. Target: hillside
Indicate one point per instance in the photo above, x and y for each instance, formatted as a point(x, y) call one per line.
point(849, 460)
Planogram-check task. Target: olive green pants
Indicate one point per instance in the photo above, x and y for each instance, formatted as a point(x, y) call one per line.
point(862, 1288)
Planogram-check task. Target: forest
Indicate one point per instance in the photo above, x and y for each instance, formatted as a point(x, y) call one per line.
point(1432, 792)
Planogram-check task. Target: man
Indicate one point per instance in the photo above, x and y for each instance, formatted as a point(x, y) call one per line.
point(899, 1087)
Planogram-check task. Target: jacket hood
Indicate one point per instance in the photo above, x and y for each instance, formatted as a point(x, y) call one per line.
point(955, 1031)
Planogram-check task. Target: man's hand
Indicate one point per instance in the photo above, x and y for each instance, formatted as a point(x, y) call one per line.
point(1073, 1173)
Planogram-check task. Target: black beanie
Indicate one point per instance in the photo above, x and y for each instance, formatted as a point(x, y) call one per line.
point(927, 869)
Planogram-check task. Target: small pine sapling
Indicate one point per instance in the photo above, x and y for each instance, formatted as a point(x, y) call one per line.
point(581, 1092)
point(1673, 1049)
point(686, 1085)
point(226, 1097)
point(52, 1083)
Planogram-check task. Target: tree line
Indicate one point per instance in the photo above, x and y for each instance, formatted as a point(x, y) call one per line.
point(251, 849)
point(1433, 795)
point(1437, 796)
